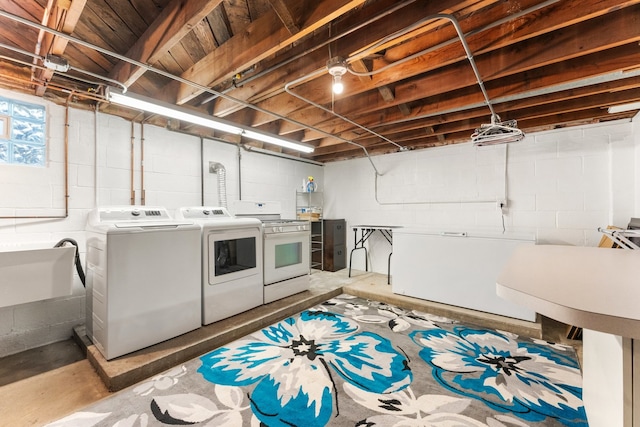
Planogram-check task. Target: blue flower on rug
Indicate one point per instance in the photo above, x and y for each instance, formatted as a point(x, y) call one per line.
point(291, 365)
point(531, 380)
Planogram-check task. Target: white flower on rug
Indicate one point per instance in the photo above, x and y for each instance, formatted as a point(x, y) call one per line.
point(404, 409)
point(554, 345)
point(161, 382)
point(399, 319)
point(345, 303)
point(530, 380)
point(190, 408)
point(80, 419)
point(290, 365)
point(130, 421)
point(505, 421)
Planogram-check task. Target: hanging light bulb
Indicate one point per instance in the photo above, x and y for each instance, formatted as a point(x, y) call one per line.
point(337, 67)
point(338, 86)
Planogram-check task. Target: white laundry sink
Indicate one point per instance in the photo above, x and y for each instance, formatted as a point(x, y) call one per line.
point(34, 272)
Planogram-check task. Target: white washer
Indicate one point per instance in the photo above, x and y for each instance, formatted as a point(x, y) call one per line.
point(143, 278)
point(231, 261)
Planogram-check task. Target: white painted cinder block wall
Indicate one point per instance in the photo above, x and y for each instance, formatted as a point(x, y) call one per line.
point(100, 174)
point(561, 186)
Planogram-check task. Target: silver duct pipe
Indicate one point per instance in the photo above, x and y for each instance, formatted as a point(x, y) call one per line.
point(218, 168)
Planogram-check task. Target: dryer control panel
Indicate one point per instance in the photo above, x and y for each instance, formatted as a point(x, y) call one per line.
point(133, 213)
point(204, 212)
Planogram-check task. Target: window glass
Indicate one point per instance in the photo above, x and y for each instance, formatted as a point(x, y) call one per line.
point(22, 133)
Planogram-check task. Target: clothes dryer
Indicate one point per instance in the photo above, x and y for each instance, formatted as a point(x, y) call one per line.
point(231, 261)
point(143, 278)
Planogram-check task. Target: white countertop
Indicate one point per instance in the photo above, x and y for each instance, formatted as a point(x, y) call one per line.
point(593, 288)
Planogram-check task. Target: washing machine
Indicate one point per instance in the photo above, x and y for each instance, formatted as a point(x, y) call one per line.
point(143, 278)
point(231, 261)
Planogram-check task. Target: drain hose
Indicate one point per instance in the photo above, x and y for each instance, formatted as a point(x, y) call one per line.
point(77, 260)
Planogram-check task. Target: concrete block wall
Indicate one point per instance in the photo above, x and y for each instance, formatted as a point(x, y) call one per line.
point(100, 163)
point(560, 186)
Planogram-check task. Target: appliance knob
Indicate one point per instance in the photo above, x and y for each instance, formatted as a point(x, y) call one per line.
point(135, 213)
point(206, 212)
point(275, 229)
point(280, 229)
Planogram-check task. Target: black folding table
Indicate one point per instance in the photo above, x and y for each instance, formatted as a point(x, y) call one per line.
point(366, 231)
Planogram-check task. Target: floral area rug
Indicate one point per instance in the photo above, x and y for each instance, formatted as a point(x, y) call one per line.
point(354, 362)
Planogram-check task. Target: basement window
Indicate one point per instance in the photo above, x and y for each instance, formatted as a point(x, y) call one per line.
point(22, 133)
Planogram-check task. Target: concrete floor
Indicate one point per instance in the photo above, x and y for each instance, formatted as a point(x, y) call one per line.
point(40, 398)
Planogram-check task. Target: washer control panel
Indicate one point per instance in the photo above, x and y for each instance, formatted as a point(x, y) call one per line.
point(133, 213)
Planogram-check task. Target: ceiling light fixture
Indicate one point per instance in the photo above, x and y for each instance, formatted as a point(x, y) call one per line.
point(150, 105)
point(624, 107)
point(56, 63)
point(337, 68)
point(265, 137)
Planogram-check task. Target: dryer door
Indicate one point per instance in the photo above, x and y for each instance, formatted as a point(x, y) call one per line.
point(232, 254)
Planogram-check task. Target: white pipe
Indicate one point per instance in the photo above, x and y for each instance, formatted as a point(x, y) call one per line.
point(330, 111)
point(300, 55)
point(158, 71)
point(96, 150)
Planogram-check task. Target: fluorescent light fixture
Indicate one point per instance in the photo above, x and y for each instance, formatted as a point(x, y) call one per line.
point(264, 137)
point(150, 105)
point(624, 107)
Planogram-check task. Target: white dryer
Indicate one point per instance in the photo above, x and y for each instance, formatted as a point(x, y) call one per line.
point(143, 278)
point(231, 261)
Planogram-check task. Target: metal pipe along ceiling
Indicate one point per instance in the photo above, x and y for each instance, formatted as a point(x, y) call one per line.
point(314, 48)
point(461, 37)
point(169, 75)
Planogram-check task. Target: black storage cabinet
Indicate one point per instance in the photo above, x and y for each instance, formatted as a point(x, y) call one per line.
point(334, 244)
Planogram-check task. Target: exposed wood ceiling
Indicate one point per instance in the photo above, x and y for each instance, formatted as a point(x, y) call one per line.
point(547, 64)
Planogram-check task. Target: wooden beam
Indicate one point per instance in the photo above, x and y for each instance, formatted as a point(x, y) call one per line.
point(515, 60)
point(459, 99)
point(461, 75)
point(261, 39)
point(176, 20)
point(285, 15)
point(63, 17)
point(272, 83)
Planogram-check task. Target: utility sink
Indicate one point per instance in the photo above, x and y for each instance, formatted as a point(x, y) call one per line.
point(34, 272)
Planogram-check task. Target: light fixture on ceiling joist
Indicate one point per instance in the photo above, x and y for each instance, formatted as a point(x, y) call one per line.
point(56, 63)
point(154, 106)
point(337, 67)
point(497, 132)
point(623, 108)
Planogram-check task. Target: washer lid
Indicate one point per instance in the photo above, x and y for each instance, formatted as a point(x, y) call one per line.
point(151, 224)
